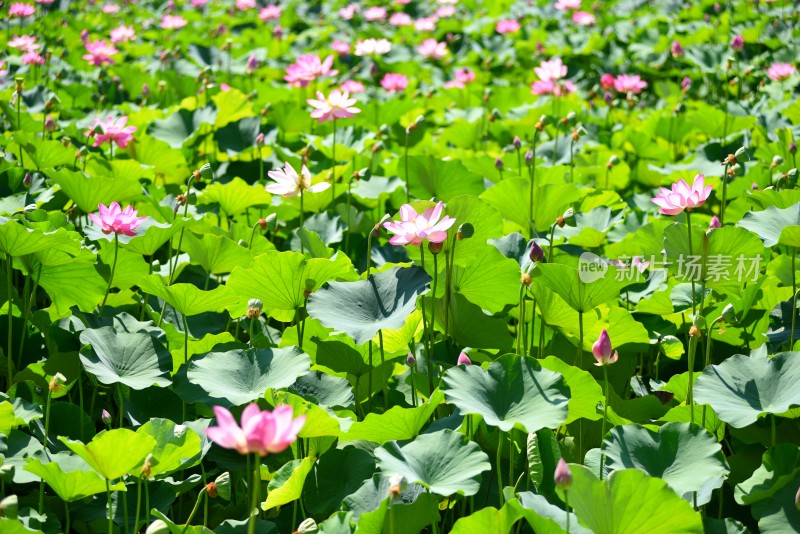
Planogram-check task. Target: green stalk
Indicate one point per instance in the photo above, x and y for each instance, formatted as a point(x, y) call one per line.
point(605, 416)
point(566, 502)
point(794, 297)
point(383, 361)
point(426, 338)
point(44, 444)
point(110, 514)
point(499, 471)
point(9, 290)
point(138, 504)
point(121, 406)
point(333, 167)
point(194, 510)
point(521, 320)
point(724, 186)
point(405, 158)
point(146, 504)
point(251, 522)
point(533, 182)
point(689, 228)
point(708, 360)
point(432, 324)
point(252, 235)
point(66, 515)
point(113, 269)
point(302, 222)
point(579, 353)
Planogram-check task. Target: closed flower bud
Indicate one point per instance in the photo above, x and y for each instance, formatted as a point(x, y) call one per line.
point(435, 248)
point(50, 124)
point(517, 142)
point(602, 350)
point(498, 164)
point(797, 499)
point(463, 359)
point(260, 139)
point(206, 172)
point(465, 231)
point(528, 157)
point(536, 253)
point(411, 361)
point(792, 148)
point(27, 181)
point(714, 224)
point(562, 475)
point(105, 417)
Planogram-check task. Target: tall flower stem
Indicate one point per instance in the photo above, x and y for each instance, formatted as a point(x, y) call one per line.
point(302, 222)
point(383, 362)
point(499, 470)
point(708, 360)
point(521, 321)
point(532, 173)
point(724, 188)
point(113, 269)
point(138, 504)
point(432, 324)
point(579, 352)
point(425, 325)
point(605, 416)
point(9, 290)
point(405, 159)
point(794, 296)
point(533, 328)
point(251, 521)
point(194, 510)
point(44, 444)
point(566, 503)
point(110, 513)
point(333, 167)
point(689, 235)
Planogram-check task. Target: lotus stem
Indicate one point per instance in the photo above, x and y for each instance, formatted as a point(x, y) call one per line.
point(194, 510)
point(794, 297)
point(138, 505)
point(689, 235)
point(9, 290)
point(44, 445)
point(333, 166)
point(499, 470)
point(605, 416)
point(113, 269)
point(110, 514)
point(383, 362)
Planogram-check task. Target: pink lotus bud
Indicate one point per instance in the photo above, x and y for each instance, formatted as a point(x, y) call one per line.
point(602, 350)
point(714, 224)
point(463, 359)
point(252, 63)
point(411, 361)
point(536, 254)
point(737, 43)
point(686, 83)
point(563, 476)
point(49, 124)
point(106, 417)
point(260, 139)
point(677, 49)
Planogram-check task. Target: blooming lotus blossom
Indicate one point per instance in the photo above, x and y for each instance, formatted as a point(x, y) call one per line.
point(584, 18)
point(401, 20)
point(349, 11)
point(123, 34)
point(414, 228)
point(394, 83)
point(463, 77)
point(99, 53)
point(245, 5)
point(431, 48)
point(24, 43)
point(375, 13)
point(353, 87)
point(553, 88)
point(552, 70)
point(112, 131)
point(290, 184)
point(173, 22)
point(115, 220)
point(308, 68)
point(463, 359)
point(199, 4)
point(568, 5)
point(778, 72)
point(629, 83)
point(23, 11)
point(682, 196)
point(607, 81)
point(602, 350)
point(32, 58)
point(737, 43)
point(445, 12)
point(338, 105)
point(271, 12)
point(261, 432)
point(425, 24)
point(507, 26)
point(340, 47)
point(550, 74)
point(368, 47)
point(110, 9)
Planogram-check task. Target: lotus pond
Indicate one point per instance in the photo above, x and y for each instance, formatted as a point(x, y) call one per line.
point(453, 266)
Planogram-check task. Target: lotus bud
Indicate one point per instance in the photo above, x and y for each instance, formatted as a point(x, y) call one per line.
point(308, 526)
point(797, 499)
point(222, 486)
point(27, 181)
point(517, 142)
point(396, 485)
point(57, 382)
point(465, 231)
point(714, 224)
point(145, 90)
point(252, 64)
point(9, 507)
point(411, 361)
point(737, 43)
point(686, 83)
point(463, 359)
point(260, 139)
point(254, 307)
point(206, 172)
point(602, 350)
point(105, 417)
point(792, 148)
point(50, 124)
point(498, 164)
point(435, 248)
point(528, 157)
point(776, 160)
point(729, 314)
point(562, 475)
point(536, 253)
point(676, 49)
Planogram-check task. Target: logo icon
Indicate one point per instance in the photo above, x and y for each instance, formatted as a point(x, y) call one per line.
point(591, 267)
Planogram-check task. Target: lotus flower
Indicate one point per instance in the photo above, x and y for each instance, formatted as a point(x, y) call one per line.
point(32, 58)
point(271, 12)
point(568, 5)
point(400, 20)
point(112, 131)
point(338, 105)
point(308, 68)
point(549, 71)
point(562, 475)
point(394, 83)
point(173, 22)
point(99, 53)
point(431, 48)
point(778, 72)
point(114, 220)
point(584, 18)
point(737, 43)
point(352, 86)
point(261, 432)
point(21, 10)
point(463, 359)
point(629, 83)
point(123, 34)
point(603, 351)
point(24, 43)
point(369, 47)
point(682, 196)
point(425, 24)
point(375, 13)
point(507, 26)
point(414, 228)
point(290, 184)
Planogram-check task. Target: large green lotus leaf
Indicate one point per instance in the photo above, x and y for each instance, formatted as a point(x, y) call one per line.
point(543, 452)
point(491, 281)
point(512, 198)
point(89, 191)
point(43, 154)
point(72, 485)
point(232, 105)
point(774, 225)
point(135, 359)
point(488, 519)
point(16, 449)
point(113, 453)
point(543, 517)
point(131, 266)
point(17, 240)
point(239, 376)
point(685, 456)
point(69, 280)
point(432, 177)
point(584, 391)
point(150, 236)
point(486, 221)
point(216, 254)
point(779, 514)
point(411, 512)
point(732, 252)
point(7, 418)
point(235, 196)
point(287, 483)
point(177, 446)
point(780, 465)
point(171, 164)
point(512, 391)
point(280, 280)
point(339, 354)
point(629, 502)
point(742, 388)
point(361, 308)
point(646, 241)
point(374, 493)
point(320, 422)
point(337, 474)
point(188, 299)
point(445, 462)
point(324, 389)
point(590, 228)
point(397, 423)
point(471, 327)
point(581, 296)
point(181, 125)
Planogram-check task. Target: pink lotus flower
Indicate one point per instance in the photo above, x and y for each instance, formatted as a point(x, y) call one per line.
point(401, 20)
point(778, 72)
point(368, 47)
point(32, 58)
point(24, 43)
point(463, 359)
point(349, 11)
point(261, 432)
point(568, 5)
point(414, 228)
point(18, 9)
point(465, 76)
point(431, 48)
point(114, 220)
point(507, 26)
point(584, 18)
point(737, 43)
point(375, 13)
point(112, 131)
point(425, 24)
point(252, 64)
point(562, 475)
point(394, 82)
point(123, 34)
point(288, 183)
point(629, 83)
point(445, 12)
point(340, 47)
point(3, 71)
point(338, 105)
point(549, 71)
point(308, 68)
point(245, 5)
point(603, 351)
point(99, 53)
point(199, 4)
point(682, 197)
point(271, 12)
point(173, 22)
point(607, 81)
point(110, 9)
point(353, 87)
